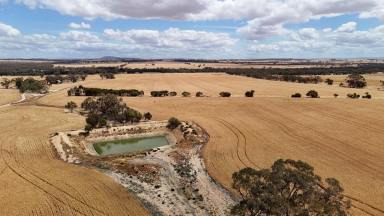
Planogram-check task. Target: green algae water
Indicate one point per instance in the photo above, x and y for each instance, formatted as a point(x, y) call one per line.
point(129, 145)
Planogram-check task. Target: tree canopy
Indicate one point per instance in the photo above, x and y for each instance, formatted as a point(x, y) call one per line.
point(288, 188)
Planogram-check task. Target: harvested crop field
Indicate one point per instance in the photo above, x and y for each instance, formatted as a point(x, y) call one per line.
point(34, 182)
point(341, 138)
point(8, 96)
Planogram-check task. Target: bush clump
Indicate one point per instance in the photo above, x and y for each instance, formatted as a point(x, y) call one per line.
point(225, 94)
point(32, 85)
point(199, 94)
point(163, 93)
point(367, 96)
point(108, 108)
point(71, 106)
point(173, 123)
point(353, 96)
point(356, 81)
point(296, 95)
point(313, 94)
point(186, 94)
point(329, 81)
point(250, 93)
point(173, 94)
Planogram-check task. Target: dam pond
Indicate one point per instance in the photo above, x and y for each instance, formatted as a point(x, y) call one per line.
point(129, 145)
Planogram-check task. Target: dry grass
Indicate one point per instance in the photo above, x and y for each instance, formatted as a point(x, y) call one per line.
point(34, 182)
point(8, 96)
point(341, 138)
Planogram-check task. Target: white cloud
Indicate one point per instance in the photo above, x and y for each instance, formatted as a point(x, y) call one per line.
point(9, 31)
point(327, 41)
point(265, 17)
point(79, 36)
point(173, 38)
point(81, 25)
point(347, 27)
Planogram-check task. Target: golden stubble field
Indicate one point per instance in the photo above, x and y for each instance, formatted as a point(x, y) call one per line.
point(8, 96)
point(341, 138)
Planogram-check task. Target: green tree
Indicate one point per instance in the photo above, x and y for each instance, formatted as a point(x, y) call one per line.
point(199, 94)
point(173, 123)
point(356, 81)
point(313, 94)
point(186, 94)
point(225, 94)
point(6, 83)
point(289, 188)
point(147, 116)
point(329, 81)
point(249, 93)
point(71, 106)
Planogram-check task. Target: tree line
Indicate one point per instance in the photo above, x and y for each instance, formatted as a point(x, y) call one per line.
point(84, 91)
point(47, 68)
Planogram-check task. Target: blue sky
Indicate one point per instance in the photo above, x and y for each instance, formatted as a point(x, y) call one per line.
point(191, 29)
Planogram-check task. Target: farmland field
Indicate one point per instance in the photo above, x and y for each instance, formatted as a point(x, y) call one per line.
point(341, 138)
point(8, 96)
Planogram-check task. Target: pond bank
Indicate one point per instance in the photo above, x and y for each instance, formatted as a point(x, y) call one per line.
point(170, 180)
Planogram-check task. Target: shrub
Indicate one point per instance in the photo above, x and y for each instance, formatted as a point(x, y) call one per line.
point(297, 95)
point(329, 81)
point(109, 108)
point(32, 85)
point(162, 93)
point(367, 96)
point(356, 81)
point(199, 94)
point(312, 94)
point(249, 93)
point(173, 94)
point(335, 95)
point(147, 116)
point(353, 96)
point(173, 123)
point(186, 94)
point(107, 76)
point(225, 94)
point(71, 106)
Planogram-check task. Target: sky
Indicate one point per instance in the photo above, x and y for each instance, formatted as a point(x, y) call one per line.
point(200, 29)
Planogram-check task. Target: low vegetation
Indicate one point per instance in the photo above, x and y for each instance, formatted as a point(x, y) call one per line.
point(83, 91)
point(173, 123)
point(199, 94)
point(58, 79)
point(367, 96)
point(186, 94)
point(353, 96)
point(313, 94)
point(71, 106)
point(329, 81)
point(107, 76)
point(356, 81)
point(296, 95)
point(108, 108)
point(225, 94)
point(289, 188)
point(163, 93)
point(250, 93)
point(31, 85)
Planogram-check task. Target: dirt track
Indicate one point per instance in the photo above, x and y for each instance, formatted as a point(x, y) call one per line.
point(341, 138)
